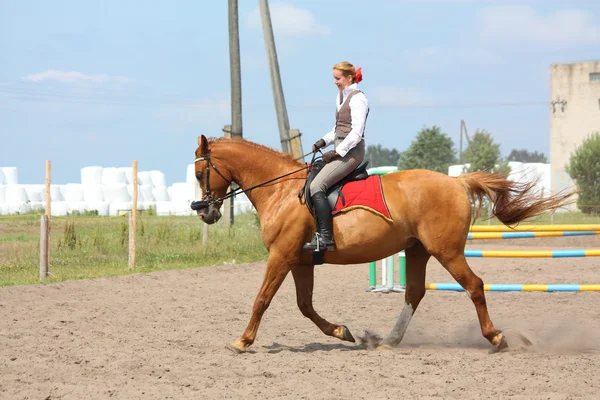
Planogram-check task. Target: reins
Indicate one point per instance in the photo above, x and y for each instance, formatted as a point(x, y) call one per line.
point(198, 205)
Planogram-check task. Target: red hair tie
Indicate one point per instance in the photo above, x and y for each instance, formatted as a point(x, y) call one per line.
point(358, 75)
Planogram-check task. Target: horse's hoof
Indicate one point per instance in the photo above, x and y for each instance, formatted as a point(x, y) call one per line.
point(384, 347)
point(501, 346)
point(343, 333)
point(236, 347)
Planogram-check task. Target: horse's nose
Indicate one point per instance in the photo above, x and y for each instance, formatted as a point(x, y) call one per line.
point(199, 205)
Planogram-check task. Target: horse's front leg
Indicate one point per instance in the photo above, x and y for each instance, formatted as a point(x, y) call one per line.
point(304, 277)
point(277, 269)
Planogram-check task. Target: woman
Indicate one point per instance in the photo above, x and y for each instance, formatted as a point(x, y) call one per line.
point(347, 136)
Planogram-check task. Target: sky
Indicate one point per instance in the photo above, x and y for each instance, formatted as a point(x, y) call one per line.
point(104, 83)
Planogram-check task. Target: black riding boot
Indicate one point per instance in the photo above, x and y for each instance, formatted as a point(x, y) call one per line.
point(323, 239)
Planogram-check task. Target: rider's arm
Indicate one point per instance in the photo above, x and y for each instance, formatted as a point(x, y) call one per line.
point(359, 107)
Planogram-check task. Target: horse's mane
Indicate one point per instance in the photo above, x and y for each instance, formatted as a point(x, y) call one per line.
point(282, 156)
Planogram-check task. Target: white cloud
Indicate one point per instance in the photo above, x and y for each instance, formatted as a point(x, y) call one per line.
point(441, 58)
point(521, 24)
point(289, 20)
point(74, 77)
point(400, 97)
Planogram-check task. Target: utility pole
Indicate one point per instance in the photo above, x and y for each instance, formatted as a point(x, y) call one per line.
point(280, 109)
point(235, 70)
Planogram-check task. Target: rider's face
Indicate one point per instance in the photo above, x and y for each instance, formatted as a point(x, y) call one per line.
point(340, 80)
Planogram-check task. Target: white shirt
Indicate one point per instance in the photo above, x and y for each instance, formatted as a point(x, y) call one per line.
point(359, 107)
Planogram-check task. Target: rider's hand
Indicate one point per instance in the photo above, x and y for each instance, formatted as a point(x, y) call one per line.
point(330, 156)
point(319, 144)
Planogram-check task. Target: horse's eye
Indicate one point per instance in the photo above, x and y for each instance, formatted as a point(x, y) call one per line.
point(199, 176)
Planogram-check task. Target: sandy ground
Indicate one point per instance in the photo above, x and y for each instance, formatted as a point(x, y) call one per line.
point(163, 336)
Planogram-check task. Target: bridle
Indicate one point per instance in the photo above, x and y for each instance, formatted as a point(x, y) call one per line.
point(209, 199)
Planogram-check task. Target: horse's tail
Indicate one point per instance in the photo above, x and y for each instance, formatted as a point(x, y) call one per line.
point(512, 202)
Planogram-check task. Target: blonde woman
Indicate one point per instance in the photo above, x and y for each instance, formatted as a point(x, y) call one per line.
point(347, 136)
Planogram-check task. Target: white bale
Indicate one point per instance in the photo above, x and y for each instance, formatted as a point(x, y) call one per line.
point(147, 205)
point(3, 209)
point(2, 194)
point(18, 208)
point(35, 192)
point(119, 207)
point(76, 207)
point(457, 170)
point(102, 207)
point(144, 178)
point(164, 208)
point(160, 193)
point(15, 194)
point(93, 192)
point(182, 208)
point(182, 192)
point(113, 176)
point(37, 206)
point(73, 192)
point(158, 178)
point(146, 190)
point(2, 179)
point(116, 192)
point(56, 193)
point(58, 208)
point(91, 175)
point(128, 171)
point(190, 176)
point(10, 175)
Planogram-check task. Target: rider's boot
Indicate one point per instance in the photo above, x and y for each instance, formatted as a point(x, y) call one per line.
point(323, 238)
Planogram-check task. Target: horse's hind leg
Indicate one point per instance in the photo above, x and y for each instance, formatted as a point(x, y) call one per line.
point(416, 266)
point(456, 264)
point(304, 280)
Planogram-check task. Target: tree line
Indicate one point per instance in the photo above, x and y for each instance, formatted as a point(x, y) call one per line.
point(434, 150)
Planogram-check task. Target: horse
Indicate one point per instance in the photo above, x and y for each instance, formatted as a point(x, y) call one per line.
point(431, 214)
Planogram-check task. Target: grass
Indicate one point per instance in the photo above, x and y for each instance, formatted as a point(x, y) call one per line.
point(89, 247)
point(84, 247)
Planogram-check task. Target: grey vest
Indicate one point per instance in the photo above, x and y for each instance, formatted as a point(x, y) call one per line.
point(343, 118)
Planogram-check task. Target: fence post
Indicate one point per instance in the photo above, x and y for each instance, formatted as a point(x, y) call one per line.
point(133, 215)
point(44, 247)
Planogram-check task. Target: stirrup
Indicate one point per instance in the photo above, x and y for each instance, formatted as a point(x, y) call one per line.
point(318, 245)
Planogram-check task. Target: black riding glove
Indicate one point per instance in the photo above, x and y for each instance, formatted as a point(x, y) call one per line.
point(319, 144)
point(330, 156)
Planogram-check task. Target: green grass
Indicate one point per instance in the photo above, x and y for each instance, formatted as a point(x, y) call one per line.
point(92, 247)
point(84, 247)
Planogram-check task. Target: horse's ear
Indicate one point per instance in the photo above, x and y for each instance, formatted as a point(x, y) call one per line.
point(203, 144)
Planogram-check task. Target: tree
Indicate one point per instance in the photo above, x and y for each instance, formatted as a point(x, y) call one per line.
point(431, 150)
point(483, 154)
point(584, 168)
point(525, 156)
point(379, 156)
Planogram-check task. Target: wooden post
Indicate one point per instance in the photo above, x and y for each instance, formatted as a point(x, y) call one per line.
point(296, 144)
point(204, 234)
point(130, 261)
point(278, 97)
point(235, 70)
point(44, 247)
point(133, 216)
point(45, 226)
point(48, 180)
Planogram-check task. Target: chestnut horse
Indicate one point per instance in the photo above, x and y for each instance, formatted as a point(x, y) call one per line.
point(431, 215)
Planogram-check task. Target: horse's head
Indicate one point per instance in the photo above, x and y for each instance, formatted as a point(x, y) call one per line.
point(212, 181)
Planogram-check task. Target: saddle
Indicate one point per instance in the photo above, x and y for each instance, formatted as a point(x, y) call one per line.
point(335, 191)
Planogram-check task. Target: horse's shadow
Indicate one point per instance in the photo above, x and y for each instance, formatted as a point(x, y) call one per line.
point(311, 347)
